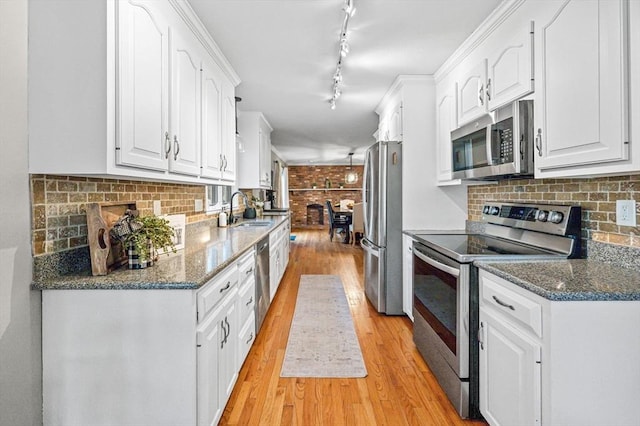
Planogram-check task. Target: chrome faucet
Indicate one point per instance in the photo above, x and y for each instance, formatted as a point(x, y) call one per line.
point(232, 218)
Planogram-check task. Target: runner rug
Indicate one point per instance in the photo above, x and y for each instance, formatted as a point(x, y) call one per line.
point(322, 340)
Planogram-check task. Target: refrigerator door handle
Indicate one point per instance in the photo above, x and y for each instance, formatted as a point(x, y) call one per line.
point(368, 247)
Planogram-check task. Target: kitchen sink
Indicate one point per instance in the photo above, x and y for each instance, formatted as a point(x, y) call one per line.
point(252, 224)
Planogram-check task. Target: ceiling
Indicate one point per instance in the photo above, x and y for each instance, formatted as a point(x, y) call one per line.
point(286, 52)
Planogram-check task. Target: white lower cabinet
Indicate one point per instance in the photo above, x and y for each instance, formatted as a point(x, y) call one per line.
point(217, 357)
point(146, 357)
point(509, 373)
point(547, 362)
point(279, 240)
point(407, 275)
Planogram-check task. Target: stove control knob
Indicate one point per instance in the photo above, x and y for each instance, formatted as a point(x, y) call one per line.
point(555, 217)
point(542, 215)
point(485, 210)
point(493, 210)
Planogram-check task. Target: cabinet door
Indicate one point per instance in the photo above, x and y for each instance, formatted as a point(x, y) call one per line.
point(581, 110)
point(446, 123)
point(185, 105)
point(510, 70)
point(142, 93)
point(472, 102)
point(407, 275)
point(395, 123)
point(209, 338)
point(229, 133)
point(211, 120)
point(264, 138)
point(229, 349)
point(510, 375)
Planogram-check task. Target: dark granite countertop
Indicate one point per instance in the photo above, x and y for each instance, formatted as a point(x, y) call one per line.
point(206, 253)
point(570, 280)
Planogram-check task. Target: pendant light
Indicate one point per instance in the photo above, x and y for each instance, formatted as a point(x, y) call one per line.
point(351, 176)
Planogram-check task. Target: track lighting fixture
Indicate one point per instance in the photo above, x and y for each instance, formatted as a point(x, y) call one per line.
point(349, 10)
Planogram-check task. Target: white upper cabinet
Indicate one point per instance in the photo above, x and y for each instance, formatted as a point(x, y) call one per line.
point(254, 161)
point(445, 123)
point(510, 69)
point(211, 120)
point(185, 105)
point(472, 97)
point(143, 103)
point(128, 90)
point(581, 110)
point(228, 143)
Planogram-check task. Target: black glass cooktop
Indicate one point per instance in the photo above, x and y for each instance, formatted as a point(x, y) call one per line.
point(470, 247)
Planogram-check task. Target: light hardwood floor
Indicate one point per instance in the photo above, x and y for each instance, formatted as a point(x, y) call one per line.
point(399, 389)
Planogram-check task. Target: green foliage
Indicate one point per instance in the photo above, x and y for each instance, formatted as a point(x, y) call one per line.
point(154, 230)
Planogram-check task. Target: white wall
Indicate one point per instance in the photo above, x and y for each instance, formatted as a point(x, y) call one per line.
point(20, 308)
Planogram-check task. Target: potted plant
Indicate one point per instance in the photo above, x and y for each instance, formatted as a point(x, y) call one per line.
point(148, 235)
point(314, 185)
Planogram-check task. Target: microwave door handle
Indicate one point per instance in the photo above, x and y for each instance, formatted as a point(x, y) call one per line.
point(441, 266)
point(492, 140)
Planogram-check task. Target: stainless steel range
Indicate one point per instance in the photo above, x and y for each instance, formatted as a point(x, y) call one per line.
point(445, 303)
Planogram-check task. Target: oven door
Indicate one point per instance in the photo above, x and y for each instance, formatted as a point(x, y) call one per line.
point(441, 298)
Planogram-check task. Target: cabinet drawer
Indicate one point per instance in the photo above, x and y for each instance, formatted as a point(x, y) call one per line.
point(247, 300)
point(524, 311)
point(216, 289)
point(247, 337)
point(246, 266)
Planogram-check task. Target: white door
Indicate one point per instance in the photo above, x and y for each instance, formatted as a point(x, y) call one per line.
point(446, 122)
point(185, 106)
point(143, 87)
point(229, 133)
point(209, 338)
point(472, 101)
point(580, 111)
point(229, 348)
point(407, 276)
point(211, 120)
point(510, 376)
point(510, 69)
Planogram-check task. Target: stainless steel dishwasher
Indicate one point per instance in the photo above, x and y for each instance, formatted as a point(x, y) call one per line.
point(262, 281)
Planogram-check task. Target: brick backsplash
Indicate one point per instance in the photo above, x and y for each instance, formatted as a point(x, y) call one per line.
point(59, 205)
point(301, 193)
point(596, 196)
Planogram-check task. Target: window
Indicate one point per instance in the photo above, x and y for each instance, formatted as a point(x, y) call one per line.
point(218, 196)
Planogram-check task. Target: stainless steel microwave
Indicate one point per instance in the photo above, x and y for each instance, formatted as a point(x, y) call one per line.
point(495, 148)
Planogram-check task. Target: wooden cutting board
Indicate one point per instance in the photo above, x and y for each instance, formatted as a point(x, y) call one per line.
point(106, 253)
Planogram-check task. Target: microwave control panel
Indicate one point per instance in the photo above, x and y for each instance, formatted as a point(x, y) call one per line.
point(503, 141)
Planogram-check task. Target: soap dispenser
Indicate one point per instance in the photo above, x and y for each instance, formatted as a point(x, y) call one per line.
point(222, 219)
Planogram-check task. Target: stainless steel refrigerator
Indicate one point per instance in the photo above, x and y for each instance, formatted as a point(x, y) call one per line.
point(382, 241)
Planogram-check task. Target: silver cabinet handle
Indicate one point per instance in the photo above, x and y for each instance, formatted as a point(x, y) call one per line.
point(176, 144)
point(501, 303)
point(539, 142)
point(250, 301)
point(250, 338)
point(221, 163)
point(224, 331)
point(226, 287)
point(167, 144)
point(480, 94)
point(481, 336)
point(488, 90)
point(249, 272)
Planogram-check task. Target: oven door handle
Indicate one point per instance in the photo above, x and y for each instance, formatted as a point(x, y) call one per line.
point(446, 268)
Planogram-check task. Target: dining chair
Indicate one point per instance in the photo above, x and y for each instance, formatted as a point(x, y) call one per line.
point(357, 222)
point(336, 221)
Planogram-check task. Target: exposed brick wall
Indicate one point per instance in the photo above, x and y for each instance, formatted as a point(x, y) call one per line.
point(596, 196)
point(59, 205)
point(301, 193)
